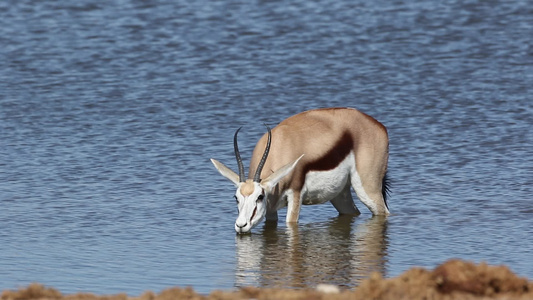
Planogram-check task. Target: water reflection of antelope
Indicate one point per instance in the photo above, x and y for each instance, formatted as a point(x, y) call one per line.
point(342, 251)
point(315, 157)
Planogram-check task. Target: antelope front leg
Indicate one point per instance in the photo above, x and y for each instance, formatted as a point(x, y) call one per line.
point(272, 215)
point(294, 203)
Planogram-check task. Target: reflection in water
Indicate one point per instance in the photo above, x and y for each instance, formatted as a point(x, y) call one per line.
point(342, 251)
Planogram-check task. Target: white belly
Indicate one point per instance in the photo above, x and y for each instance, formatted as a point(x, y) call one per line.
point(322, 186)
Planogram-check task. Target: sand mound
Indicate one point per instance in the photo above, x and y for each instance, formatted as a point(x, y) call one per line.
point(454, 279)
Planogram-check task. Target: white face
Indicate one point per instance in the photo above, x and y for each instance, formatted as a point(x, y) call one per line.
point(252, 196)
point(252, 208)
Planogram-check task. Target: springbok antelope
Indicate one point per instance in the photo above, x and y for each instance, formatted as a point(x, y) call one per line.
point(311, 158)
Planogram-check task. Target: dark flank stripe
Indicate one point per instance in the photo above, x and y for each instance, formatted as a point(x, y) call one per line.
point(329, 161)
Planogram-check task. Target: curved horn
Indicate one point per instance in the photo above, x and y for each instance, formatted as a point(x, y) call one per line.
point(263, 159)
point(238, 156)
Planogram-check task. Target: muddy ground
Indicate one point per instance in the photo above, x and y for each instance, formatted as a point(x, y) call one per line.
point(454, 279)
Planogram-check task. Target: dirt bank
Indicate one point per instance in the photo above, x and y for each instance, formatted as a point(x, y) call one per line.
point(454, 279)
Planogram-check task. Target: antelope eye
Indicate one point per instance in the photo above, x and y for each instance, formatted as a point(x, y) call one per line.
point(260, 198)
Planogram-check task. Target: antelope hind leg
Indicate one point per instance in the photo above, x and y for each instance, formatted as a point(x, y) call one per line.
point(344, 204)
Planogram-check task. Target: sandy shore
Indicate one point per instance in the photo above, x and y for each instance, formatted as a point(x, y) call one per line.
point(454, 279)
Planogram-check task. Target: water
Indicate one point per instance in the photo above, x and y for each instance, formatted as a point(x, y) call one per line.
point(110, 111)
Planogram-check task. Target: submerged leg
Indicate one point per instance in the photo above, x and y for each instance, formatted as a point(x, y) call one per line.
point(294, 203)
point(344, 204)
point(369, 192)
point(272, 216)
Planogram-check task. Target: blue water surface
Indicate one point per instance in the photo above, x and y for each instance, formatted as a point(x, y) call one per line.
point(110, 111)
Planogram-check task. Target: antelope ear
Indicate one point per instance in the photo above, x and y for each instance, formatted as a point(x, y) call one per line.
point(226, 172)
point(274, 178)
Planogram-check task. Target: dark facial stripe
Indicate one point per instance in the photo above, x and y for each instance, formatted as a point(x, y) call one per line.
point(253, 214)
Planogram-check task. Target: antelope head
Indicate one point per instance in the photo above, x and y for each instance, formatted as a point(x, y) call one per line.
point(252, 194)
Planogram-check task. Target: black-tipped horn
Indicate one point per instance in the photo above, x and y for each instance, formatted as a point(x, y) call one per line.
point(257, 177)
point(238, 156)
